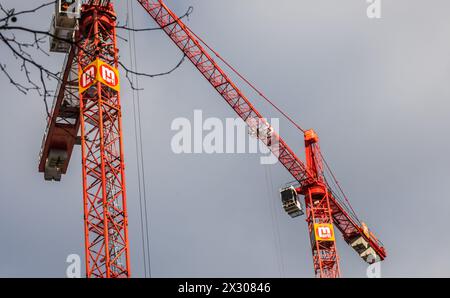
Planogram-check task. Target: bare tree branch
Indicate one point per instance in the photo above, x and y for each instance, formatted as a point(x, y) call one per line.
point(10, 14)
point(37, 75)
point(129, 71)
point(185, 15)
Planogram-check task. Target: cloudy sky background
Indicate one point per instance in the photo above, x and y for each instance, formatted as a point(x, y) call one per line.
point(376, 91)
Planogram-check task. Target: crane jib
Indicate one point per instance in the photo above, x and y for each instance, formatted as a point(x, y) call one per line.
point(186, 41)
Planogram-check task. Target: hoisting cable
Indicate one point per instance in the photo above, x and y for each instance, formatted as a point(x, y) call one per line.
point(145, 235)
point(339, 186)
point(268, 177)
point(144, 251)
point(275, 226)
point(324, 172)
point(260, 93)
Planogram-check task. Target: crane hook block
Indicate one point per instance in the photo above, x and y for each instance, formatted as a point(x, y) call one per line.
point(290, 201)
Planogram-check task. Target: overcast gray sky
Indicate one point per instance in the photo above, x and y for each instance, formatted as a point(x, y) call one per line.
point(376, 91)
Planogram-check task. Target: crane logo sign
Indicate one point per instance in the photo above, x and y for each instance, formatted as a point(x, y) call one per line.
point(108, 74)
point(88, 77)
point(324, 232)
point(99, 71)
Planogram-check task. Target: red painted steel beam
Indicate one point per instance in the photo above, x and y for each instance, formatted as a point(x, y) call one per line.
point(319, 213)
point(350, 228)
point(191, 47)
point(63, 123)
point(104, 191)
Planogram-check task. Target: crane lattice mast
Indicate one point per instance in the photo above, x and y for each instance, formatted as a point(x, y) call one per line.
point(104, 195)
point(88, 101)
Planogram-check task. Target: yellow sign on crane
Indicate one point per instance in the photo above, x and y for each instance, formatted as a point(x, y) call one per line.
point(324, 232)
point(99, 71)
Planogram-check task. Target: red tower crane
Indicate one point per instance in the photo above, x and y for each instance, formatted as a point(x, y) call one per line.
point(94, 109)
point(88, 101)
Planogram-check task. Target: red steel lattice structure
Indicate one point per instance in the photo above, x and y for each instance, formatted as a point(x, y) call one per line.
point(324, 252)
point(104, 194)
point(319, 213)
